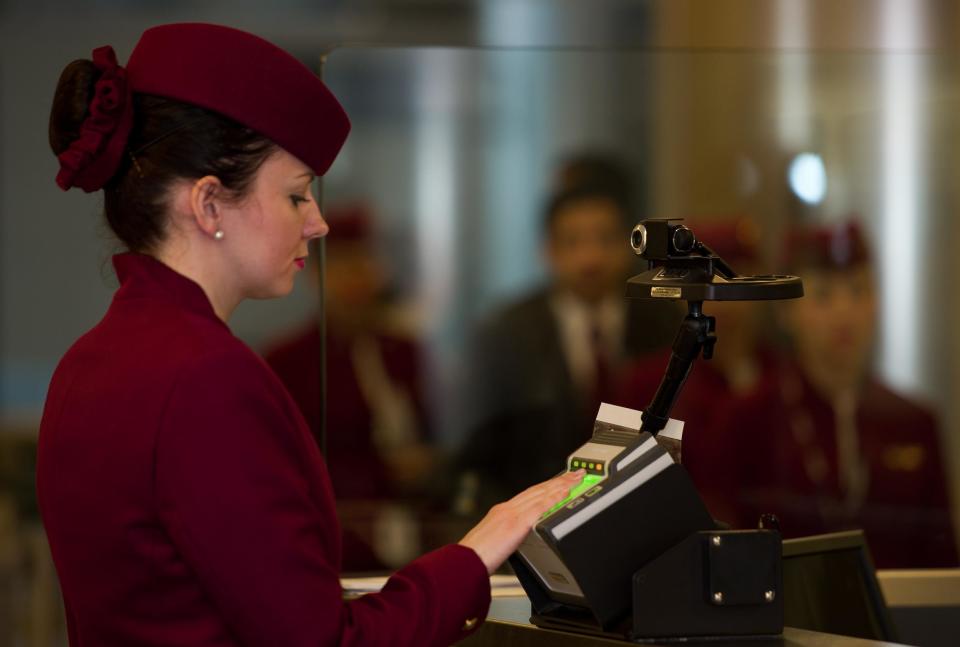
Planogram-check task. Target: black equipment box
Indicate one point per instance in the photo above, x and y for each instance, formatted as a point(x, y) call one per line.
point(637, 556)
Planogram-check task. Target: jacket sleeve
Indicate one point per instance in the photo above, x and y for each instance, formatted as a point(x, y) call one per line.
point(934, 544)
point(238, 490)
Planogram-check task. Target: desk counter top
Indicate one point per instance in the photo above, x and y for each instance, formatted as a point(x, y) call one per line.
point(508, 625)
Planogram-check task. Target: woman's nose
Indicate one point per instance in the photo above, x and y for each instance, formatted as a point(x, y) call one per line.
point(316, 226)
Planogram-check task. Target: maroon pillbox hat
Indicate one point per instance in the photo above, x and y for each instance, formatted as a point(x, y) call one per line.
point(247, 79)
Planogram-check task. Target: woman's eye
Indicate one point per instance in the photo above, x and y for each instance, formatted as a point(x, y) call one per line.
point(297, 200)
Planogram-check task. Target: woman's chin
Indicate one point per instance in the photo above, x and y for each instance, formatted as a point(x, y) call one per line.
point(273, 291)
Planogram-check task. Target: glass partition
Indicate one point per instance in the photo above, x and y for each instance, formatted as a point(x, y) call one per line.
point(456, 153)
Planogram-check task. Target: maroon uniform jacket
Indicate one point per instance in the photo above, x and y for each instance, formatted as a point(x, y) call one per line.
point(186, 502)
point(781, 449)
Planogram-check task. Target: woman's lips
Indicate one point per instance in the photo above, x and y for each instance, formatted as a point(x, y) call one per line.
point(301, 262)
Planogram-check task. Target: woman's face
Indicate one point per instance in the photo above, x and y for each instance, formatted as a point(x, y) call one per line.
point(833, 324)
point(266, 233)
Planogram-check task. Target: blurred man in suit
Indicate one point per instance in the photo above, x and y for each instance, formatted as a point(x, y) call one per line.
point(542, 365)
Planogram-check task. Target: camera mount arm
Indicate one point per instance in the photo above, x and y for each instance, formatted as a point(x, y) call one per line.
point(697, 334)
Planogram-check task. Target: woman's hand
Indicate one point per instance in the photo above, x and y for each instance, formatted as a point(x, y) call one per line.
point(500, 532)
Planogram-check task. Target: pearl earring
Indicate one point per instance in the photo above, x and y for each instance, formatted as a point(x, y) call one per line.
point(218, 234)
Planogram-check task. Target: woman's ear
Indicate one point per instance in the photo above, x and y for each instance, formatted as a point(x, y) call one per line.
point(206, 205)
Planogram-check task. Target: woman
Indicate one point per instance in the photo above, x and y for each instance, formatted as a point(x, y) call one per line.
point(184, 500)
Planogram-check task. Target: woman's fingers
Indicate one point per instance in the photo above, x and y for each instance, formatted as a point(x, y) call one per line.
point(561, 483)
point(539, 498)
point(505, 526)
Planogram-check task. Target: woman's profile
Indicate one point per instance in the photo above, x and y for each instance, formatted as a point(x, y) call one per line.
point(183, 496)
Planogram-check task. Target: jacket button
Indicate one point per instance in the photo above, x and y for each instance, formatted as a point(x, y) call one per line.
point(469, 624)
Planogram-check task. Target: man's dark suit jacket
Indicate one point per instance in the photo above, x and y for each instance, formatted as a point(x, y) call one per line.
point(525, 414)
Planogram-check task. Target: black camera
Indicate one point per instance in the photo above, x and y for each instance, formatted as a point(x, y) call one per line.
point(662, 240)
point(684, 268)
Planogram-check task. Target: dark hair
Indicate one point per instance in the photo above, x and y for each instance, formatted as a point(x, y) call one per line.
point(582, 193)
point(598, 170)
point(170, 140)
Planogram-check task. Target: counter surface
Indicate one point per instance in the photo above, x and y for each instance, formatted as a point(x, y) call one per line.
point(508, 625)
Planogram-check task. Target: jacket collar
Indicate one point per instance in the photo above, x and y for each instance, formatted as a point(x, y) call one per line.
point(142, 276)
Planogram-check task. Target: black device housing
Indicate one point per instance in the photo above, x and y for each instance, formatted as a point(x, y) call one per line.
point(651, 567)
point(673, 596)
point(603, 554)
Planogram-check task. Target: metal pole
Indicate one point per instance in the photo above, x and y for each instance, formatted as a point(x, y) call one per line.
point(320, 246)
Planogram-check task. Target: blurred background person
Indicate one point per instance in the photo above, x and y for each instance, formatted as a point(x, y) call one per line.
point(825, 445)
point(378, 446)
point(601, 171)
point(542, 364)
point(742, 361)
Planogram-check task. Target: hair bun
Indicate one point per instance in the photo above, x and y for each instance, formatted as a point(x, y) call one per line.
point(71, 103)
point(91, 151)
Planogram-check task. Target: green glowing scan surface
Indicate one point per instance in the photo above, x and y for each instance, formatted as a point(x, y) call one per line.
point(588, 482)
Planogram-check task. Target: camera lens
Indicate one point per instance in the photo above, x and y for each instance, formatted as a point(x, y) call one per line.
point(683, 240)
point(638, 239)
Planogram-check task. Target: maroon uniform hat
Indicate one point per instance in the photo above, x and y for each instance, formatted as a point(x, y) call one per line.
point(247, 79)
point(228, 71)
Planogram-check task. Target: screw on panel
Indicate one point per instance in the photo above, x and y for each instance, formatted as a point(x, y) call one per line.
point(718, 597)
point(769, 596)
point(716, 540)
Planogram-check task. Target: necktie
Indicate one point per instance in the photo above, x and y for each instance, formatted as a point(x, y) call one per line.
point(602, 372)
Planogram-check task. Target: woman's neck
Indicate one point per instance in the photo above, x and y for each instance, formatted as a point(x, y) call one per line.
point(223, 300)
point(831, 381)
